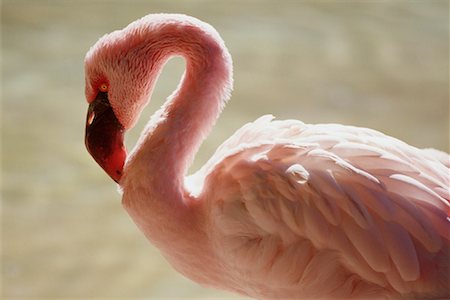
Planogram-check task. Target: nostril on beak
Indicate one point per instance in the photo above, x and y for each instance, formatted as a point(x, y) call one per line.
point(91, 118)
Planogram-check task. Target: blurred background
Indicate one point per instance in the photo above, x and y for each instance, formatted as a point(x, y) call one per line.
point(378, 64)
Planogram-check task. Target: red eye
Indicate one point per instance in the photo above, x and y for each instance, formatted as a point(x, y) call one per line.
point(103, 87)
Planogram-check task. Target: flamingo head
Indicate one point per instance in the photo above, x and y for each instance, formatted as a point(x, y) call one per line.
point(120, 73)
point(117, 87)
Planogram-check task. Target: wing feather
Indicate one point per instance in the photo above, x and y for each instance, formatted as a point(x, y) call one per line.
point(369, 244)
point(324, 184)
point(401, 250)
point(410, 216)
point(373, 201)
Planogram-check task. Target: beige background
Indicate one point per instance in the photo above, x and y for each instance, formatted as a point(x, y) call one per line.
point(379, 64)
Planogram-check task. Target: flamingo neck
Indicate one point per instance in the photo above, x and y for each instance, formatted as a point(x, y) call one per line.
point(173, 135)
point(190, 113)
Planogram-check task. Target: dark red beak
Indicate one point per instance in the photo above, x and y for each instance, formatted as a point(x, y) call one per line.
point(104, 137)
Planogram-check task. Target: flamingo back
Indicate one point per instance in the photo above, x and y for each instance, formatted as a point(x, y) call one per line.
point(352, 207)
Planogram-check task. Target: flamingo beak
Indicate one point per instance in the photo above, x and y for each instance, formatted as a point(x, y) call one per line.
point(104, 137)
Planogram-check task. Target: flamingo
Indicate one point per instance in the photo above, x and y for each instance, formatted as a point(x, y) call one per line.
point(282, 209)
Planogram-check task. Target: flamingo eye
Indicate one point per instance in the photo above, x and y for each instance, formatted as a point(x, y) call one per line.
point(103, 87)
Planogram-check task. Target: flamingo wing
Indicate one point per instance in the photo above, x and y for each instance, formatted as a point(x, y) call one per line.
point(298, 205)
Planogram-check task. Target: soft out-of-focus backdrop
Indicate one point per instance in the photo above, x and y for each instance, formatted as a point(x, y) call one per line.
point(376, 64)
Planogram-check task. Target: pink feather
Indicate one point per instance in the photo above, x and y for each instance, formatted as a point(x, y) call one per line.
point(283, 209)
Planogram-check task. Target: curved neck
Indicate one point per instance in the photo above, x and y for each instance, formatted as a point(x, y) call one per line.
point(172, 137)
point(153, 178)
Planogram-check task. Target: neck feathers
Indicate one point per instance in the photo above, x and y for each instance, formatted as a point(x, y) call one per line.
point(174, 134)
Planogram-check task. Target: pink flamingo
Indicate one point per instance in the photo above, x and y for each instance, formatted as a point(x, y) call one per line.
point(283, 209)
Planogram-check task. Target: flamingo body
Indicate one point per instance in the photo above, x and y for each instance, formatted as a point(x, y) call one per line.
point(283, 209)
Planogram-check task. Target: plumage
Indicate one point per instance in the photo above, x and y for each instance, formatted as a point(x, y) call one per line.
point(282, 208)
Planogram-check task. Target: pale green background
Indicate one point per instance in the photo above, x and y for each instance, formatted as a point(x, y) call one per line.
point(379, 64)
